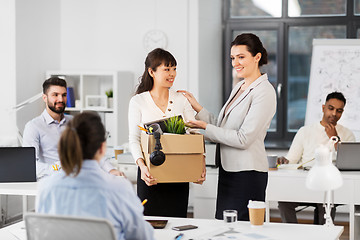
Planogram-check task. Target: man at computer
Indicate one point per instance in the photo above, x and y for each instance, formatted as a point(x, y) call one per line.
point(302, 150)
point(43, 132)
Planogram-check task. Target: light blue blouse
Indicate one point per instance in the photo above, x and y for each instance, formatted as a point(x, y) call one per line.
point(97, 194)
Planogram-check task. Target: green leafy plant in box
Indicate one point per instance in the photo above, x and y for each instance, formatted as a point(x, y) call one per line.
point(175, 125)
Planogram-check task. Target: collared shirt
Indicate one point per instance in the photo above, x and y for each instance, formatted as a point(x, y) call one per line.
point(310, 137)
point(94, 193)
point(43, 133)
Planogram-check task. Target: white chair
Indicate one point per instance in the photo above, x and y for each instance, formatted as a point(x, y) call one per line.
point(55, 227)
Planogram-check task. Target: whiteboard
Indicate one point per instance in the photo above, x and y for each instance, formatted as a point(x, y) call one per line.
point(335, 66)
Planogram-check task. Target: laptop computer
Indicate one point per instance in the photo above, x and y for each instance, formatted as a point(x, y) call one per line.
point(348, 156)
point(17, 164)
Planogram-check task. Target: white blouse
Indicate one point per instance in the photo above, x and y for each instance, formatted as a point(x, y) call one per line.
point(142, 109)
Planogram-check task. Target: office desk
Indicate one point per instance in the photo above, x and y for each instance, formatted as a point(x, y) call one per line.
point(24, 189)
point(289, 185)
point(208, 228)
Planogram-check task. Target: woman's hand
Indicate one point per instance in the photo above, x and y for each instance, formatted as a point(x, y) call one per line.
point(117, 173)
point(282, 160)
point(192, 100)
point(196, 124)
point(145, 174)
point(203, 174)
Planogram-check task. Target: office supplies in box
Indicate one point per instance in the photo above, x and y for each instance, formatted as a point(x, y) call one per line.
point(184, 157)
point(160, 122)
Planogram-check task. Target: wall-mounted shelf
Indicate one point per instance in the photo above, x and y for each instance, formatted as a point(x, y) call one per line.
point(96, 83)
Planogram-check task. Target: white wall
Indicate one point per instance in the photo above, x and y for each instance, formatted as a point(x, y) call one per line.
point(41, 35)
point(99, 35)
point(37, 50)
point(7, 72)
point(210, 55)
point(108, 35)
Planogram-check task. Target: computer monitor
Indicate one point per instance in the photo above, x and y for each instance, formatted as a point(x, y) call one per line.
point(348, 156)
point(17, 164)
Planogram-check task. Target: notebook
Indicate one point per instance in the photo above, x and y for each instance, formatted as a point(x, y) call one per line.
point(348, 156)
point(17, 164)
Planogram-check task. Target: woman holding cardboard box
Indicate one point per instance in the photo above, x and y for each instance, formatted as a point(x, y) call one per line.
point(240, 129)
point(155, 100)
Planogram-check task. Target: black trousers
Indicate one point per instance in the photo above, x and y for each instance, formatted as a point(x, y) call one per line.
point(235, 189)
point(164, 199)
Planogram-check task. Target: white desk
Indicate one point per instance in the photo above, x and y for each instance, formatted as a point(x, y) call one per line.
point(208, 228)
point(24, 189)
point(289, 185)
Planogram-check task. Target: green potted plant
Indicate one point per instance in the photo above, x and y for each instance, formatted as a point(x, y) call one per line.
point(175, 125)
point(109, 95)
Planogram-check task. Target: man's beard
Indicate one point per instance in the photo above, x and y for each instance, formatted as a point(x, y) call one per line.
point(58, 110)
point(332, 120)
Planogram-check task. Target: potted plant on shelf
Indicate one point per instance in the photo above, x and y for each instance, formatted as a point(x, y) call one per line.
point(109, 95)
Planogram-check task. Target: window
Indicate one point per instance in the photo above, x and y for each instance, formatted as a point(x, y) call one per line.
point(255, 8)
point(287, 28)
point(357, 7)
point(299, 60)
point(316, 8)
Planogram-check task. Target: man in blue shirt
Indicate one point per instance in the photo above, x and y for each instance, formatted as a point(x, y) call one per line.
point(44, 131)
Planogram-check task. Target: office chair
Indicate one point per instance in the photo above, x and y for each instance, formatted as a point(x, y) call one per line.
point(55, 227)
point(318, 219)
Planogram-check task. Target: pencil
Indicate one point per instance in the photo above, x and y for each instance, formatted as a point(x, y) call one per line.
point(143, 202)
point(143, 129)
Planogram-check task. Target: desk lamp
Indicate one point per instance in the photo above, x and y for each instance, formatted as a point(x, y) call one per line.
point(324, 176)
point(20, 106)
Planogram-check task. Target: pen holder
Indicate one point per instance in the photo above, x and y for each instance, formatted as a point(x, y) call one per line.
point(155, 127)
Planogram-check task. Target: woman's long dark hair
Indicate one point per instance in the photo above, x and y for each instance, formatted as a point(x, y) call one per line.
point(153, 60)
point(80, 140)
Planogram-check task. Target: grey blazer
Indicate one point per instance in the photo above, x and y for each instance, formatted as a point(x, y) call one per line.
point(241, 132)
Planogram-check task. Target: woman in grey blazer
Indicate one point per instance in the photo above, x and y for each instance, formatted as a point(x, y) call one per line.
point(240, 129)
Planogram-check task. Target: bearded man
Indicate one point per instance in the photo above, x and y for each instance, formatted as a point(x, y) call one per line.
point(44, 131)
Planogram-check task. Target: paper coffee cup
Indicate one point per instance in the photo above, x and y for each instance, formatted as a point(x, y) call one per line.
point(118, 150)
point(256, 212)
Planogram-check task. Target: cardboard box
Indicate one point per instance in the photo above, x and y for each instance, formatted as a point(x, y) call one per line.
point(183, 157)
